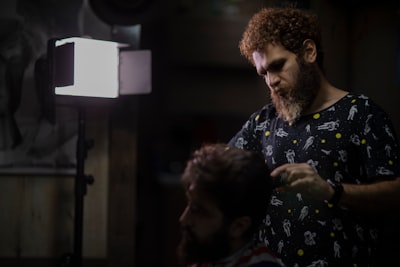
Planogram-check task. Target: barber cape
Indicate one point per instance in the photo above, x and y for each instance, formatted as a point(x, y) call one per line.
point(253, 254)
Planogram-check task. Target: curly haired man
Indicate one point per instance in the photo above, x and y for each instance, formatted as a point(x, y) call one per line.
point(335, 152)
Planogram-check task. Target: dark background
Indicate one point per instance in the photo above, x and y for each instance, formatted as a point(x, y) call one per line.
point(202, 91)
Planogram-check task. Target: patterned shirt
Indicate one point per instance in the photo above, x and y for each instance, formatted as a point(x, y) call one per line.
point(254, 254)
point(352, 141)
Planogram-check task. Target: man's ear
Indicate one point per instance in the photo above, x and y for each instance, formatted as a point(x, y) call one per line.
point(310, 51)
point(239, 226)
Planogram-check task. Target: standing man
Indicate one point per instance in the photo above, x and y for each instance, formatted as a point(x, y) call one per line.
point(335, 152)
point(227, 192)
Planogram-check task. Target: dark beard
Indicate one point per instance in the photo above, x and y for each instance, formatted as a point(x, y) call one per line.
point(291, 106)
point(191, 251)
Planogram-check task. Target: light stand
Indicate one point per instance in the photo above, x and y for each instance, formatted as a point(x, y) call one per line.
point(76, 66)
point(81, 182)
point(80, 189)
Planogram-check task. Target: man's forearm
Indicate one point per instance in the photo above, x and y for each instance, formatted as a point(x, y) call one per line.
point(382, 196)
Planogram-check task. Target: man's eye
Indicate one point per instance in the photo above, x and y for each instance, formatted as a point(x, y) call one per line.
point(276, 66)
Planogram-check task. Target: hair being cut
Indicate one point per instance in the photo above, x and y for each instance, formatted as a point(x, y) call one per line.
point(237, 180)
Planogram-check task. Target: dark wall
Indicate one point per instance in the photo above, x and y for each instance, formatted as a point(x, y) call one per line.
point(203, 91)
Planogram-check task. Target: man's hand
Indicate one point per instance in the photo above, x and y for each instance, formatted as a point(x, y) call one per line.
point(302, 178)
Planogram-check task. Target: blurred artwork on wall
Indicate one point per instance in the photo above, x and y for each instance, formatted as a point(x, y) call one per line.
point(33, 138)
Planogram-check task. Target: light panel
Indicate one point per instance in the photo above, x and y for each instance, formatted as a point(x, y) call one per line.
point(95, 68)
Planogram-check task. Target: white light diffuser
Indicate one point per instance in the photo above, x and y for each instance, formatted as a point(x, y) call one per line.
point(96, 68)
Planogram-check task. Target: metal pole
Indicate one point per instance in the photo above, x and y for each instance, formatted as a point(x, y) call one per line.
point(80, 187)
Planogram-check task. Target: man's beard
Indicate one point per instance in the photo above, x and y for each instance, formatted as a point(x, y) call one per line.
point(191, 250)
point(292, 105)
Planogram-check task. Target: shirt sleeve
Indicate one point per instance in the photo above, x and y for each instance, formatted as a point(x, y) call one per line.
point(248, 137)
point(379, 145)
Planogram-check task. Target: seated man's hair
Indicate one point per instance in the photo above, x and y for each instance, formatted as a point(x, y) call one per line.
point(238, 180)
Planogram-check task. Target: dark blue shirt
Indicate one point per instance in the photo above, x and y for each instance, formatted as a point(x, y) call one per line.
point(353, 141)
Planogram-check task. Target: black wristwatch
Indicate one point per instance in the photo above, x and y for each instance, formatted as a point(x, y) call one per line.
point(338, 188)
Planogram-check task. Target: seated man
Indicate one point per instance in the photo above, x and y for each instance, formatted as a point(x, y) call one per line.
point(227, 190)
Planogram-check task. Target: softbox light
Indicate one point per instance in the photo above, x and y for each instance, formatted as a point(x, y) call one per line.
point(84, 67)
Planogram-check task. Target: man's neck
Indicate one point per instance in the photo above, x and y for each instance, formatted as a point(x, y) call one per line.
point(326, 97)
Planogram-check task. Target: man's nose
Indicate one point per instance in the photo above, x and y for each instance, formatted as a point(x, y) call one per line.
point(183, 219)
point(272, 80)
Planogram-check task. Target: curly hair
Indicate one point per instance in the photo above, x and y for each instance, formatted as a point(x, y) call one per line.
point(237, 180)
point(286, 26)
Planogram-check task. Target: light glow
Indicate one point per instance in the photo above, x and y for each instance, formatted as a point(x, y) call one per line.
point(94, 75)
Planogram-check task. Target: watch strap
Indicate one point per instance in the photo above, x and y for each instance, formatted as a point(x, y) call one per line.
point(338, 192)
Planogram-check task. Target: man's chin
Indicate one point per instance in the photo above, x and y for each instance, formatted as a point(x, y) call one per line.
point(183, 257)
point(190, 250)
point(187, 251)
point(289, 114)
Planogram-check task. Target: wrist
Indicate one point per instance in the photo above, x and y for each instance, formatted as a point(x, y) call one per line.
point(337, 193)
